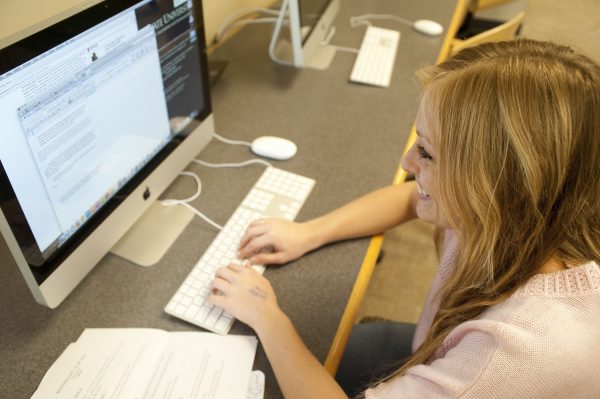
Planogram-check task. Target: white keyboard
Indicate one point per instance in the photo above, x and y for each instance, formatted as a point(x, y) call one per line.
point(375, 60)
point(277, 193)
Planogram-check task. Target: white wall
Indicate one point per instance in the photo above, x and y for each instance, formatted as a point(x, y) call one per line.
point(215, 11)
point(16, 15)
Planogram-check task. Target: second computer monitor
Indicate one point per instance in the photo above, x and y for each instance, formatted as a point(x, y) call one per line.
point(311, 27)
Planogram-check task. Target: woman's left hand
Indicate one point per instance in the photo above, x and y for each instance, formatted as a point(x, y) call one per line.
point(244, 293)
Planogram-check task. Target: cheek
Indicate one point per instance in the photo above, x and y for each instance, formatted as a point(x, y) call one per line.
point(427, 179)
point(429, 210)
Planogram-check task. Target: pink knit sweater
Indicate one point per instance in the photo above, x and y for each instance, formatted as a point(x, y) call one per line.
point(542, 342)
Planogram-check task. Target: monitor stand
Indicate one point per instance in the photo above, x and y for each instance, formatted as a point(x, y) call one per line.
point(291, 51)
point(152, 235)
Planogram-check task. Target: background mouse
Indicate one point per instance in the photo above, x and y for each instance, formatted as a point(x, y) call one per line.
point(274, 147)
point(428, 27)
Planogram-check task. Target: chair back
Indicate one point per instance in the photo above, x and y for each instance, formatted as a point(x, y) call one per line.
point(483, 4)
point(460, 13)
point(505, 31)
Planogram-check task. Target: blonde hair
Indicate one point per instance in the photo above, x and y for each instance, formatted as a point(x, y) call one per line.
point(517, 127)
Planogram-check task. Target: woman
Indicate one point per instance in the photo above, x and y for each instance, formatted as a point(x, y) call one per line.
point(507, 161)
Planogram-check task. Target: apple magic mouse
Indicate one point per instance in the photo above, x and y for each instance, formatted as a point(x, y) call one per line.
point(274, 147)
point(428, 27)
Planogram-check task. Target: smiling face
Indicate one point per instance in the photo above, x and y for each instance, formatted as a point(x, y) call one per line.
point(421, 161)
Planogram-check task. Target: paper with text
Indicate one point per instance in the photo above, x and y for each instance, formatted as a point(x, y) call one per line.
point(151, 364)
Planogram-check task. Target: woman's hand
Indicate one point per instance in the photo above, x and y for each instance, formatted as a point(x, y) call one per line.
point(244, 293)
point(276, 241)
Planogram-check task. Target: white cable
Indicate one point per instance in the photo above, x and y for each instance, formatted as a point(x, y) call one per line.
point(238, 14)
point(228, 141)
point(364, 19)
point(346, 49)
point(185, 202)
point(355, 22)
point(330, 34)
point(220, 35)
point(232, 165)
point(193, 197)
point(202, 216)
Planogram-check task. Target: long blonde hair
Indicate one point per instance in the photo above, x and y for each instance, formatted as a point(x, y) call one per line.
point(517, 127)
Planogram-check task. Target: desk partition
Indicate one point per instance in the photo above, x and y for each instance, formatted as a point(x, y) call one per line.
point(350, 139)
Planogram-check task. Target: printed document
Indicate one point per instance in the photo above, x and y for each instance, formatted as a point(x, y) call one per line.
point(151, 364)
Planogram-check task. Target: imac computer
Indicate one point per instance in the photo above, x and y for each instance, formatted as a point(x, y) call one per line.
point(310, 27)
point(100, 113)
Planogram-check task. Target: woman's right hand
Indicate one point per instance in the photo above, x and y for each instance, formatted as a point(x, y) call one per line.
point(275, 241)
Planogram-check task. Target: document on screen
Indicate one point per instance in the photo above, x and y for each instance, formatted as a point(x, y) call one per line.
point(88, 133)
point(151, 364)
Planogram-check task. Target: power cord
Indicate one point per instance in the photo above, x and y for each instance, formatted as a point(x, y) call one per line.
point(234, 20)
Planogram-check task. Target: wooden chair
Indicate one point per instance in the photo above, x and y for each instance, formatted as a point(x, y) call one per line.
point(460, 14)
point(483, 4)
point(505, 31)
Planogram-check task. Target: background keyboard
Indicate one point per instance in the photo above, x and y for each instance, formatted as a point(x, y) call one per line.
point(375, 61)
point(277, 193)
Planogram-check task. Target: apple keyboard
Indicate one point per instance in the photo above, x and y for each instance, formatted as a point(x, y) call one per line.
point(375, 61)
point(276, 193)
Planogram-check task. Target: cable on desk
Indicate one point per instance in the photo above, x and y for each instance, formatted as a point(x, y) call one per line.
point(344, 49)
point(228, 141)
point(230, 21)
point(364, 19)
point(326, 42)
point(246, 22)
point(185, 202)
point(232, 165)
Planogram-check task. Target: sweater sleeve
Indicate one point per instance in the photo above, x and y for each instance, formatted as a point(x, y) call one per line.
point(528, 356)
point(540, 343)
point(452, 374)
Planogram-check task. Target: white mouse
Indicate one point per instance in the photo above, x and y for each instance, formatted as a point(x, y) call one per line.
point(428, 27)
point(274, 147)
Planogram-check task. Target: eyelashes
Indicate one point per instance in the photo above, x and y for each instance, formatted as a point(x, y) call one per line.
point(423, 153)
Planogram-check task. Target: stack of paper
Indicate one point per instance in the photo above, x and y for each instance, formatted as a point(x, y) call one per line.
point(151, 364)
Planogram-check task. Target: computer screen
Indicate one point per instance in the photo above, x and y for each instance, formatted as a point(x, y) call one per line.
point(100, 112)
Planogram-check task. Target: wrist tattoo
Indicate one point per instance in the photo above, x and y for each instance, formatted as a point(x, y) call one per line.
point(256, 291)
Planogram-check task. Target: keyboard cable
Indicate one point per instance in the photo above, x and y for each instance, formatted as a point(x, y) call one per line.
point(185, 202)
